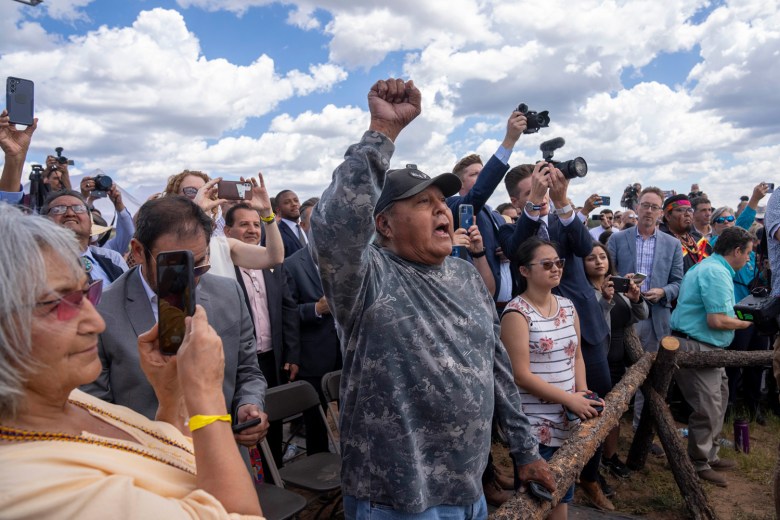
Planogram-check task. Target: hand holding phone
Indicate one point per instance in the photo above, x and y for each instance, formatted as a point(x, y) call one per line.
point(638, 278)
point(238, 428)
point(603, 200)
point(590, 396)
point(621, 284)
point(234, 190)
point(19, 95)
point(175, 297)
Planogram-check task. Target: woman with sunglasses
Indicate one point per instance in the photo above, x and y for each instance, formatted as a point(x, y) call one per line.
point(541, 333)
point(621, 311)
point(65, 454)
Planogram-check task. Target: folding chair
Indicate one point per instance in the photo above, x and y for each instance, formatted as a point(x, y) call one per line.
point(279, 503)
point(318, 472)
point(331, 383)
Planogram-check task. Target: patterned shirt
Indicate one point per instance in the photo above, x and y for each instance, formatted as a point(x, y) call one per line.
point(552, 350)
point(424, 367)
point(645, 251)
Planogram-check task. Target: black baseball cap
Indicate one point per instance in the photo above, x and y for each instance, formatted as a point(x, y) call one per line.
point(407, 182)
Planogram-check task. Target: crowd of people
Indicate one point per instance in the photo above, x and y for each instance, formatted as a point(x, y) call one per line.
point(521, 333)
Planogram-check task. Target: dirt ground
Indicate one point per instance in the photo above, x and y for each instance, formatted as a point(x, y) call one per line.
point(652, 492)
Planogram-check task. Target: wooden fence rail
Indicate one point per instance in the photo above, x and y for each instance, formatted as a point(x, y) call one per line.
point(653, 373)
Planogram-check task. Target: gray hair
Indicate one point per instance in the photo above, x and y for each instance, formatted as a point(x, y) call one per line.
point(24, 242)
point(720, 211)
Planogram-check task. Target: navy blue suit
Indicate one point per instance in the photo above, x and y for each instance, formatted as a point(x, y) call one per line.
point(487, 221)
point(320, 346)
point(573, 242)
point(289, 239)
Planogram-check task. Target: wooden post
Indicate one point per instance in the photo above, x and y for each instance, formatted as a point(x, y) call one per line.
point(581, 445)
point(632, 344)
point(677, 455)
point(660, 378)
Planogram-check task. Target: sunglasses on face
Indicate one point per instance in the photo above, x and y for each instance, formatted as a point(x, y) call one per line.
point(69, 304)
point(721, 220)
point(547, 265)
point(189, 192)
point(62, 209)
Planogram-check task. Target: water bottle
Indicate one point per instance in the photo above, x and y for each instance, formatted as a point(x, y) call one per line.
point(741, 435)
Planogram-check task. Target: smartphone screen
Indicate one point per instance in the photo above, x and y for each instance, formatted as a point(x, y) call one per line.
point(234, 190)
point(466, 215)
point(175, 297)
point(638, 278)
point(19, 100)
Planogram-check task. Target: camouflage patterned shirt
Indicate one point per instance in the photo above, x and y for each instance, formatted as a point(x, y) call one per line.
point(423, 363)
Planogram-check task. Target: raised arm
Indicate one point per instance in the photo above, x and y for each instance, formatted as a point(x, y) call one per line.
point(15, 144)
point(258, 257)
point(343, 221)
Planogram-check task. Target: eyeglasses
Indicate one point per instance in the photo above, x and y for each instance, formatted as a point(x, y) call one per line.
point(547, 265)
point(69, 304)
point(647, 205)
point(189, 192)
point(62, 209)
point(721, 220)
point(683, 210)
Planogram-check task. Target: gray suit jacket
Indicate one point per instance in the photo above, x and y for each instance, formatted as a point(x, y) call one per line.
point(128, 313)
point(666, 274)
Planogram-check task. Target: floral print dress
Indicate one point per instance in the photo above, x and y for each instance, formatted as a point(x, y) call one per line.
point(553, 346)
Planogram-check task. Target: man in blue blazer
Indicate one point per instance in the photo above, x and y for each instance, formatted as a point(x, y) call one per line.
point(478, 184)
point(644, 249)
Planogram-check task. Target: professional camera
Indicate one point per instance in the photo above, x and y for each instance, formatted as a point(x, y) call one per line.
point(534, 120)
point(61, 158)
point(103, 183)
point(576, 167)
point(760, 308)
point(630, 197)
point(38, 190)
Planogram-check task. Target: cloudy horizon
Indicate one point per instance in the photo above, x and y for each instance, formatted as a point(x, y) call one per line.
point(665, 93)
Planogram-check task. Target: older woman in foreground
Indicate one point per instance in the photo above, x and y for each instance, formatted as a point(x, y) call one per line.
point(65, 454)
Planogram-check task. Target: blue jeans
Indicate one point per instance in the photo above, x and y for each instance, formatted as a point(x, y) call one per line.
point(547, 453)
point(366, 510)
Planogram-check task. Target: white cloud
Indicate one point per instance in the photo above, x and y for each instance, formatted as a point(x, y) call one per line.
point(120, 91)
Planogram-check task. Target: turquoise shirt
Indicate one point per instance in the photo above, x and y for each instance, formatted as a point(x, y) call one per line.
point(744, 277)
point(707, 288)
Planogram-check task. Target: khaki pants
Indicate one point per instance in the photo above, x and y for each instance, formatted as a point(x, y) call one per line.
point(707, 391)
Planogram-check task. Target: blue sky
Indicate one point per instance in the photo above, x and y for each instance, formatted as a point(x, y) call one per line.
point(666, 93)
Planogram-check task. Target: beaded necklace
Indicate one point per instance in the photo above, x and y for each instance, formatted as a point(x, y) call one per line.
point(15, 434)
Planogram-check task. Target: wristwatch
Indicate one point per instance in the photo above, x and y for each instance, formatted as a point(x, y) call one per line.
point(480, 254)
point(563, 210)
point(530, 206)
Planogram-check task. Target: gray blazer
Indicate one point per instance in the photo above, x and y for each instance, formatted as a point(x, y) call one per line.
point(666, 274)
point(126, 309)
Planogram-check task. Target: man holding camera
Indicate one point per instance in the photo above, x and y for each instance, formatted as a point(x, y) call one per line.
point(124, 221)
point(704, 320)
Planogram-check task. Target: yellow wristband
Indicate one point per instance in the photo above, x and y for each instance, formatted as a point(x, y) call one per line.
point(269, 219)
point(199, 421)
